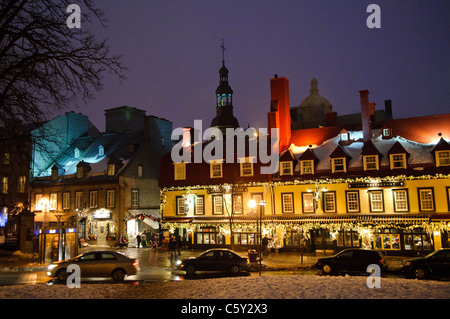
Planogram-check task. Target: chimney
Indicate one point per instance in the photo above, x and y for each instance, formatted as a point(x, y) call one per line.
point(280, 115)
point(388, 110)
point(365, 115)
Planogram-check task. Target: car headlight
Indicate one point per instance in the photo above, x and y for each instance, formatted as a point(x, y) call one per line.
point(178, 262)
point(51, 266)
point(407, 263)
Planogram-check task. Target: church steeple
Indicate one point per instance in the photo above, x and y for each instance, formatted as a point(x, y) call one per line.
point(224, 102)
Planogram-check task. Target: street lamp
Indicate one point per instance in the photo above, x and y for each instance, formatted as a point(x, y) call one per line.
point(262, 204)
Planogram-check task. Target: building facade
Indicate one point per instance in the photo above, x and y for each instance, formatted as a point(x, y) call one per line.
point(380, 184)
point(106, 184)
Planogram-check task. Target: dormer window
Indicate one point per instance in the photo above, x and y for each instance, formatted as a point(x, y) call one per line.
point(307, 167)
point(215, 170)
point(131, 148)
point(338, 165)
point(246, 168)
point(442, 158)
point(387, 132)
point(344, 136)
point(286, 168)
point(370, 162)
point(76, 153)
point(111, 169)
point(80, 172)
point(179, 171)
point(54, 173)
point(397, 161)
point(101, 150)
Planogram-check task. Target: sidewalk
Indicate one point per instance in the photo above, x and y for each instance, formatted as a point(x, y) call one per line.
point(149, 258)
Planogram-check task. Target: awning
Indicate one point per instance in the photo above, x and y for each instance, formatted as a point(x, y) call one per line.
point(152, 222)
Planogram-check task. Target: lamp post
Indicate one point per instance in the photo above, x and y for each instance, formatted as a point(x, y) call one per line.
point(262, 204)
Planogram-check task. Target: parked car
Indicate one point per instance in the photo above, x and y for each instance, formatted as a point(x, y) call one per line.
point(96, 264)
point(435, 264)
point(215, 260)
point(351, 260)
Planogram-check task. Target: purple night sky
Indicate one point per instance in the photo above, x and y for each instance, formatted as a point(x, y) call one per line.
point(172, 50)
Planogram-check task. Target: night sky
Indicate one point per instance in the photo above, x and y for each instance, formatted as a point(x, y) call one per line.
point(172, 50)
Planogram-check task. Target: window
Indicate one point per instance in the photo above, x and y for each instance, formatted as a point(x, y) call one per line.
point(217, 204)
point(329, 202)
point(246, 169)
point(370, 162)
point(338, 165)
point(376, 201)
point(308, 203)
point(140, 171)
point(306, 167)
point(39, 205)
point(400, 200)
point(397, 161)
point(386, 132)
point(6, 158)
point(426, 199)
point(101, 150)
point(352, 201)
point(442, 158)
point(53, 201)
point(286, 168)
point(93, 199)
point(344, 136)
point(21, 184)
point(80, 172)
point(110, 198)
point(287, 200)
point(237, 204)
point(215, 170)
point(78, 199)
point(66, 200)
point(76, 153)
point(179, 171)
point(199, 205)
point(134, 198)
point(181, 205)
point(111, 169)
point(386, 239)
point(55, 174)
point(5, 185)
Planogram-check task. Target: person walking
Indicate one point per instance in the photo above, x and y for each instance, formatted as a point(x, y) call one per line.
point(138, 240)
point(172, 246)
point(265, 244)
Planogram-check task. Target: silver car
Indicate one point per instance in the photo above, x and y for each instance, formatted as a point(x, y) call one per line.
point(96, 264)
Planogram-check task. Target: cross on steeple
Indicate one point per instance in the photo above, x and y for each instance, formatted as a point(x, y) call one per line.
point(223, 51)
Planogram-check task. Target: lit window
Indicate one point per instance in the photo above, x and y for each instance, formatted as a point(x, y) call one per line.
point(215, 170)
point(217, 204)
point(398, 161)
point(306, 167)
point(179, 171)
point(400, 200)
point(338, 165)
point(101, 150)
point(376, 201)
point(286, 168)
point(199, 205)
point(352, 201)
point(78, 200)
point(110, 198)
point(134, 198)
point(5, 185)
point(370, 162)
point(329, 202)
point(442, 158)
point(386, 132)
point(237, 204)
point(93, 199)
point(66, 200)
point(344, 137)
point(287, 202)
point(5, 158)
point(140, 171)
point(426, 199)
point(77, 153)
point(53, 201)
point(308, 202)
point(181, 203)
point(111, 169)
point(246, 169)
point(22, 183)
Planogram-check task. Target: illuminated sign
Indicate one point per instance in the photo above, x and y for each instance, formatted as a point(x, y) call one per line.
point(102, 213)
point(375, 184)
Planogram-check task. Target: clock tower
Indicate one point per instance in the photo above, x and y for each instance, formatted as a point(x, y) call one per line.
point(224, 101)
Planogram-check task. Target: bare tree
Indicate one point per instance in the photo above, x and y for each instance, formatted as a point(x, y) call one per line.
point(44, 64)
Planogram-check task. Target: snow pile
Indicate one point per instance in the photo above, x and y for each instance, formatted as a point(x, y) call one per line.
point(251, 287)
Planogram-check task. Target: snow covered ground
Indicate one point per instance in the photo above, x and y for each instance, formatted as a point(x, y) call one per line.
point(251, 287)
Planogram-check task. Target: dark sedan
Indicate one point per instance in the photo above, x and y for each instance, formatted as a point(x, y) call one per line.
point(351, 260)
point(435, 264)
point(215, 260)
point(96, 264)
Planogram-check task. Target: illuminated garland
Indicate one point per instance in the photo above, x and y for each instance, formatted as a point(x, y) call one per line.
point(141, 217)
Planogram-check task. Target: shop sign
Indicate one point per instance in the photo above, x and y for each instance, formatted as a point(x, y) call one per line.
point(227, 190)
point(376, 184)
point(102, 213)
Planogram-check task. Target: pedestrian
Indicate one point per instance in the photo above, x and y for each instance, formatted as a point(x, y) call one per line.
point(172, 246)
point(265, 244)
point(144, 240)
point(138, 239)
point(178, 244)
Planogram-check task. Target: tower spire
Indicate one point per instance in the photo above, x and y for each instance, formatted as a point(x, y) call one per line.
point(223, 52)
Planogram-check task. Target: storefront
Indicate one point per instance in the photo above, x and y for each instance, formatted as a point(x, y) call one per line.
point(101, 228)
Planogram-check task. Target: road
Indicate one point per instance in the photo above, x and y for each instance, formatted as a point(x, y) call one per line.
point(154, 266)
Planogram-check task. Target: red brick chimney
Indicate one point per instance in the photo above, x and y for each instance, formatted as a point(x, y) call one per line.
point(280, 111)
point(365, 115)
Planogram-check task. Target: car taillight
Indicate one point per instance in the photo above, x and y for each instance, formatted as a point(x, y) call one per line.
point(381, 262)
point(135, 263)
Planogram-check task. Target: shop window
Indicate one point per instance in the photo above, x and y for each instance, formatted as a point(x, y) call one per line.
point(417, 240)
point(348, 238)
point(426, 199)
point(308, 203)
point(400, 197)
point(376, 201)
point(209, 236)
point(287, 200)
point(329, 202)
point(387, 239)
point(245, 238)
point(352, 201)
